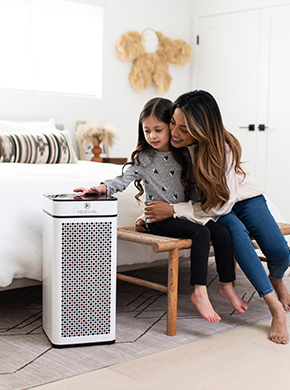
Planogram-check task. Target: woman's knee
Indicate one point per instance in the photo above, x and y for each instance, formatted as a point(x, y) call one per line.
point(234, 226)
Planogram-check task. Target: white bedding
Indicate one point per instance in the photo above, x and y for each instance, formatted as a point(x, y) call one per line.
point(22, 188)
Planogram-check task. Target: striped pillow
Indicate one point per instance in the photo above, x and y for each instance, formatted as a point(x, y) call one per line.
point(52, 147)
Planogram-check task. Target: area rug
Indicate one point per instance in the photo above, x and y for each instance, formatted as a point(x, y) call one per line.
point(27, 358)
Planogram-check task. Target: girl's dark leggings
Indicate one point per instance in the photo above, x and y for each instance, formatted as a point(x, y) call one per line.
point(201, 236)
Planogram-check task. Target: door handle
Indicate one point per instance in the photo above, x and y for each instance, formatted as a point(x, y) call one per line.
point(262, 127)
point(250, 127)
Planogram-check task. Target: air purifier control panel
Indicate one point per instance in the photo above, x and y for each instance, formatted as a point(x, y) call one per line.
point(75, 205)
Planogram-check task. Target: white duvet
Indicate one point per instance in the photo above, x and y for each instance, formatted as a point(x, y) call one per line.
point(22, 189)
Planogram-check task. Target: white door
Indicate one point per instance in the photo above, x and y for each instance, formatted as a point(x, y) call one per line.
point(274, 107)
point(228, 60)
point(244, 61)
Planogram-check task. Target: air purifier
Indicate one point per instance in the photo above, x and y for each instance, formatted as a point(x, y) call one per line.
point(79, 268)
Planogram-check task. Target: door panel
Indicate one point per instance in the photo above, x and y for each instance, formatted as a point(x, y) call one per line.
point(244, 61)
point(228, 68)
point(275, 60)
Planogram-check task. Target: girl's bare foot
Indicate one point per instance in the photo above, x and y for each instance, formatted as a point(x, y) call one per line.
point(226, 290)
point(200, 299)
point(278, 333)
point(282, 292)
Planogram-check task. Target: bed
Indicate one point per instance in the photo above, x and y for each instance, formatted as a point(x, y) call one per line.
point(23, 185)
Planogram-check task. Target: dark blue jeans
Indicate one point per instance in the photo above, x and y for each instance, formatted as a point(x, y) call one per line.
point(253, 217)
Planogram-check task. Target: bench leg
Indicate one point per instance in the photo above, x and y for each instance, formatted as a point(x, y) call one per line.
point(235, 268)
point(172, 292)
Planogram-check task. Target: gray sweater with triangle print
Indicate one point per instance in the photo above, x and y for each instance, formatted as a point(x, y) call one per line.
point(160, 174)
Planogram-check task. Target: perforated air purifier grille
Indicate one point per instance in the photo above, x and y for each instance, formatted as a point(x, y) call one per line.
point(86, 254)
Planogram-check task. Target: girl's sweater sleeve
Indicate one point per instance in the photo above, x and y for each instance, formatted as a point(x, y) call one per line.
point(120, 183)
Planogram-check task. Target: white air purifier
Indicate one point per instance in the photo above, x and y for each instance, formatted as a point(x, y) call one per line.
point(79, 269)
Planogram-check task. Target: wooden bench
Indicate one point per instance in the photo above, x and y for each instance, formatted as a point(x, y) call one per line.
point(171, 245)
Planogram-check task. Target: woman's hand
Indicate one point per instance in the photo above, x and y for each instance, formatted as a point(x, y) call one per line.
point(140, 226)
point(158, 210)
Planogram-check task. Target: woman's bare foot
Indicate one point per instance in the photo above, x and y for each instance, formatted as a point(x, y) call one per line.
point(278, 333)
point(201, 300)
point(226, 290)
point(281, 291)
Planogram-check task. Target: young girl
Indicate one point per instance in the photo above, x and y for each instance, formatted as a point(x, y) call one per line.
point(230, 195)
point(166, 175)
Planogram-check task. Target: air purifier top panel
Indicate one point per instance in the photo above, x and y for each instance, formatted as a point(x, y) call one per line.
point(76, 197)
point(74, 205)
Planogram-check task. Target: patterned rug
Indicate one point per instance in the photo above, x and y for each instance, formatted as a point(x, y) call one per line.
point(27, 358)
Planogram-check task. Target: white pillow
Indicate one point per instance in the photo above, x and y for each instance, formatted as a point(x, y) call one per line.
point(49, 124)
point(7, 127)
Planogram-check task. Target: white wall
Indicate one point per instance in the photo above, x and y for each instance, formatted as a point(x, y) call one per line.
point(121, 103)
point(207, 7)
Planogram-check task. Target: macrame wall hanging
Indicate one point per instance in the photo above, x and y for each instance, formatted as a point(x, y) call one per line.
point(148, 66)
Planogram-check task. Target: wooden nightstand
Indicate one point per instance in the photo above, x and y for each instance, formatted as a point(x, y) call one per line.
point(115, 160)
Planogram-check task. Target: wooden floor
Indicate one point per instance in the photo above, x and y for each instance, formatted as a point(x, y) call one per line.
point(234, 353)
point(241, 359)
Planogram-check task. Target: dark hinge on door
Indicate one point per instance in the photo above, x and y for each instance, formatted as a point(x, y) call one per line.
point(197, 39)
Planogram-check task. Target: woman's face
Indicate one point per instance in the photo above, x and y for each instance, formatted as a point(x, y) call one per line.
point(180, 136)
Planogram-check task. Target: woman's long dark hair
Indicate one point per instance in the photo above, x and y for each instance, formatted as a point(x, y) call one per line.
point(160, 108)
point(204, 123)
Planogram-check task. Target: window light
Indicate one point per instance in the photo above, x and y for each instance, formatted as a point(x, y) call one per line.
point(51, 46)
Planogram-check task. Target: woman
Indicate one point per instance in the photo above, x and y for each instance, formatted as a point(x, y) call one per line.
point(230, 196)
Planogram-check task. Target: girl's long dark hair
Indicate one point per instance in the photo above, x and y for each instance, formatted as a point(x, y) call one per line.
point(160, 108)
point(204, 122)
